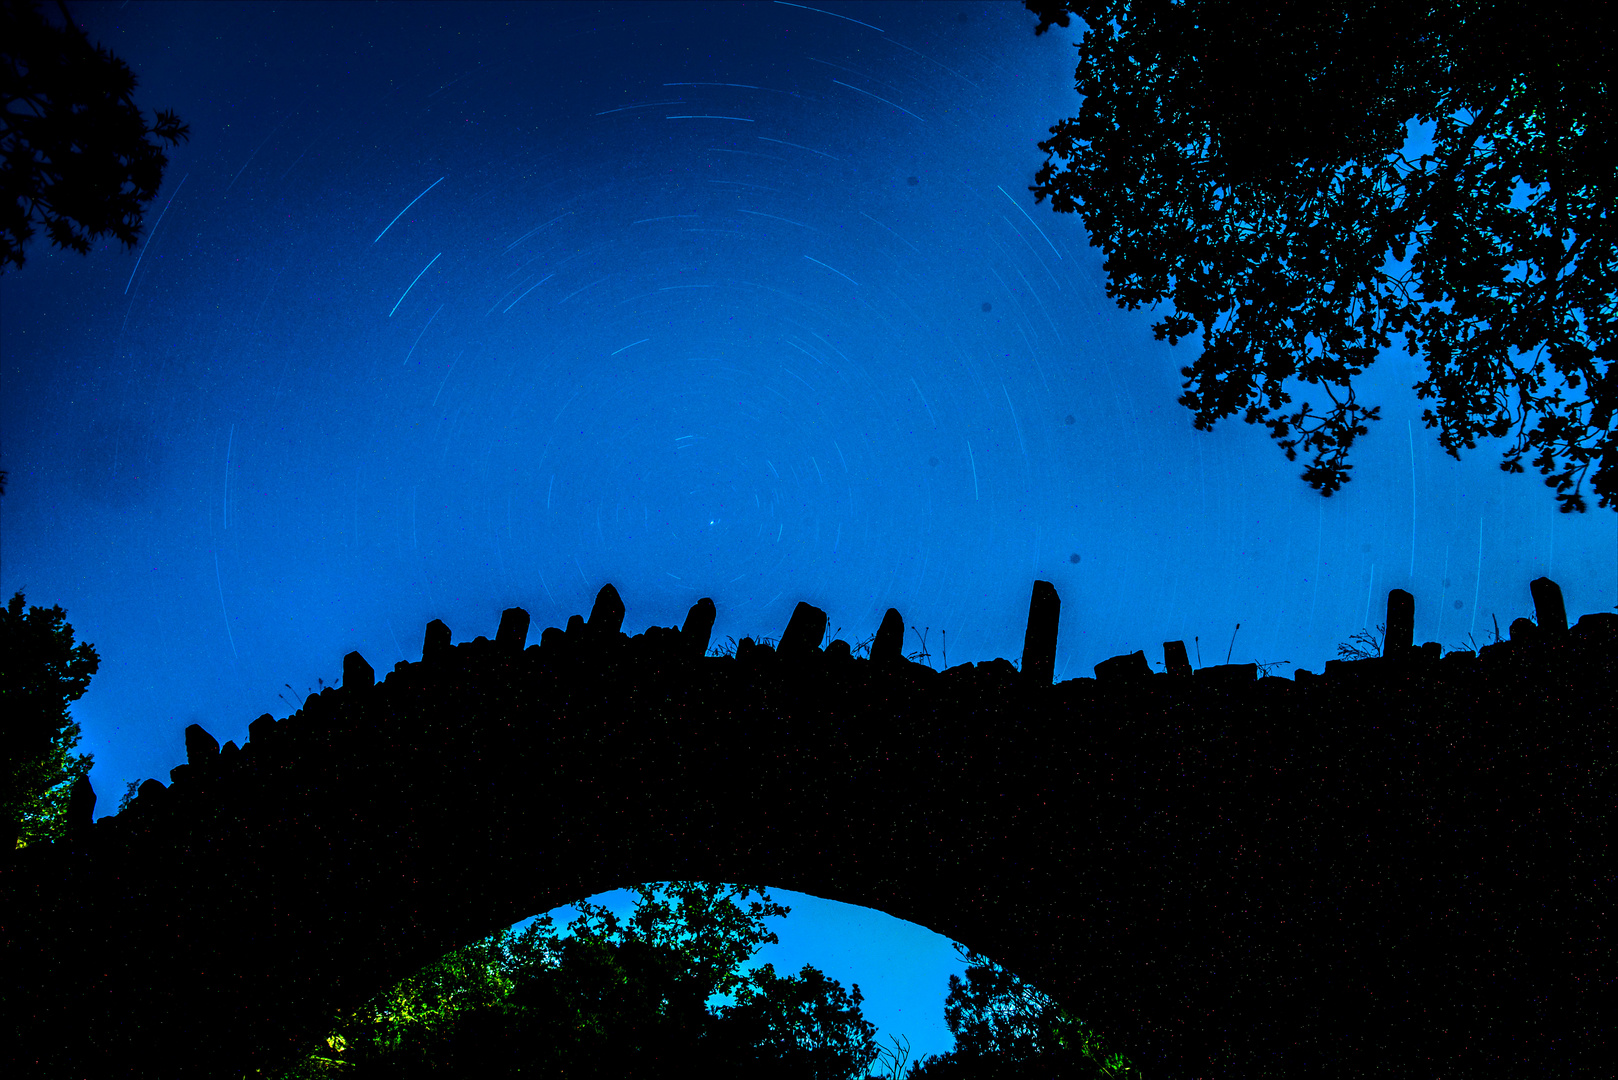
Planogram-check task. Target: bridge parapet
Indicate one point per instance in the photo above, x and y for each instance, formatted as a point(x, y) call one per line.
point(1387, 863)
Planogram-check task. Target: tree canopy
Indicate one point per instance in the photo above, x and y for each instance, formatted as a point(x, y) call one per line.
point(1246, 162)
point(41, 671)
point(76, 155)
point(661, 994)
point(1004, 1028)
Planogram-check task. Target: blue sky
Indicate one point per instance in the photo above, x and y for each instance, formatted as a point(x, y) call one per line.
point(448, 308)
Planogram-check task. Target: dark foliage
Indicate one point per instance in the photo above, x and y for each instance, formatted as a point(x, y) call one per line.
point(76, 155)
point(612, 998)
point(1004, 1029)
point(41, 670)
point(1245, 162)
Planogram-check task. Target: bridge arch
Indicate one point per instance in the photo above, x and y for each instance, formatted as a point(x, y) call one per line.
point(1226, 878)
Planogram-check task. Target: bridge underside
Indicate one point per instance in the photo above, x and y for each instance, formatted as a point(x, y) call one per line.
point(1403, 869)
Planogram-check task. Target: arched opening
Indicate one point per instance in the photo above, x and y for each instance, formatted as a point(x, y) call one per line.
point(715, 976)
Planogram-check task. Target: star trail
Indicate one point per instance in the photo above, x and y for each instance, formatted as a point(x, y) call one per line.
point(747, 301)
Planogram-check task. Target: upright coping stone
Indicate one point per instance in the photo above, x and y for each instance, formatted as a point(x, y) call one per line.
point(1401, 635)
point(356, 672)
point(513, 632)
point(1039, 642)
point(698, 628)
point(1548, 608)
point(1174, 659)
point(200, 747)
point(888, 649)
point(436, 645)
point(81, 805)
point(607, 617)
point(804, 631)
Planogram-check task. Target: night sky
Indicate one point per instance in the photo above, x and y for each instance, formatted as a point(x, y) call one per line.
point(449, 308)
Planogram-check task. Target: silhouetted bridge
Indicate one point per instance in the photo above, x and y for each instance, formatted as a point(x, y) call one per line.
point(1400, 867)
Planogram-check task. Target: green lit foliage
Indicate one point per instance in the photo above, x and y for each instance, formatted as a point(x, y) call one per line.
point(644, 996)
point(1246, 163)
point(41, 671)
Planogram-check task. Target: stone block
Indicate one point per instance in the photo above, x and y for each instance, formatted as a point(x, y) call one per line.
point(81, 805)
point(1523, 630)
point(1039, 640)
point(1401, 632)
point(839, 650)
point(888, 649)
point(607, 616)
point(804, 631)
point(1175, 661)
point(513, 633)
point(698, 628)
point(1219, 676)
point(1548, 607)
point(551, 639)
point(200, 747)
point(436, 645)
point(1129, 667)
point(575, 625)
point(1598, 631)
point(357, 674)
point(264, 727)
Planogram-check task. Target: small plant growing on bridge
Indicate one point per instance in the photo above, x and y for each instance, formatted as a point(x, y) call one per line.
point(296, 705)
point(1364, 645)
point(921, 655)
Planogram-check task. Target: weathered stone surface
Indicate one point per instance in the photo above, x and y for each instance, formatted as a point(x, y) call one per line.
point(200, 747)
point(745, 648)
point(151, 791)
point(607, 617)
point(513, 633)
point(839, 650)
point(436, 645)
point(1401, 633)
point(357, 674)
point(1039, 641)
point(575, 625)
point(698, 628)
point(552, 639)
point(888, 649)
point(1548, 608)
point(1128, 667)
point(1523, 630)
point(1174, 659)
point(804, 631)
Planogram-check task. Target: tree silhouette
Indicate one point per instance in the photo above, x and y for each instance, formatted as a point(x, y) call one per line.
point(1005, 1028)
point(1246, 161)
point(610, 998)
point(41, 670)
point(76, 155)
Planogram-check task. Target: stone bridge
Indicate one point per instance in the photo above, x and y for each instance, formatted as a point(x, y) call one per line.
point(1401, 866)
